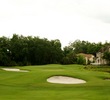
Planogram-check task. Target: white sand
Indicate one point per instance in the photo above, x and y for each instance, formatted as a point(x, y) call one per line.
point(14, 69)
point(65, 80)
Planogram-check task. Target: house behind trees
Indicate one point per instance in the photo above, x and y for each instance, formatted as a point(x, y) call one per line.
point(100, 56)
point(89, 58)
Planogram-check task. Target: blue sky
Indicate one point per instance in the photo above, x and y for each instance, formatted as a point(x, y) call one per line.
point(66, 20)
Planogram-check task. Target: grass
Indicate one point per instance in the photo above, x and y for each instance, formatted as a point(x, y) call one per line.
point(99, 68)
point(33, 85)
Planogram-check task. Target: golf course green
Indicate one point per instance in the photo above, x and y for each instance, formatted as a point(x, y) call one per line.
point(33, 85)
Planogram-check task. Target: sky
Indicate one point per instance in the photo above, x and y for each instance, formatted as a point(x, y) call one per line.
point(66, 20)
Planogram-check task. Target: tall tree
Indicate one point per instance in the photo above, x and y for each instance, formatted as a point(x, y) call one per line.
point(4, 51)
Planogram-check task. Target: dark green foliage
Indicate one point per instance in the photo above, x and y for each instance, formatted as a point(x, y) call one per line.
point(69, 56)
point(81, 60)
point(65, 60)
point(20, 50)
point(107, 56)
point(4, 51)
point(85, 47)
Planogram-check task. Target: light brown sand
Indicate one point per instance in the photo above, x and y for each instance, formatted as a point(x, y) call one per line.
point(65, 80)
point(14, 69)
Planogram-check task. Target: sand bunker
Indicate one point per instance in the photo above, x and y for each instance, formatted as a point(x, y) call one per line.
point(14, 69)
point(65, 80)
point(108, 79)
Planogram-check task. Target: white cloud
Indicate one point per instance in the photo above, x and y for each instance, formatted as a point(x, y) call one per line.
point(66, 20)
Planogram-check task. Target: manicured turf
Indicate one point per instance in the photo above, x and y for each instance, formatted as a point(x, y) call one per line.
point(33, 85)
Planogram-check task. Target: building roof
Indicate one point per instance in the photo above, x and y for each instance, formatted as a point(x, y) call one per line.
point(86, 55)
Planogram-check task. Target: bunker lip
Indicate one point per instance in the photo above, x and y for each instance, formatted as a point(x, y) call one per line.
point(107, 79)
point(65, 80)
point(14, 70)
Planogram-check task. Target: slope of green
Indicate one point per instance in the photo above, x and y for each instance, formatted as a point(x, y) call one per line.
point(33, 85)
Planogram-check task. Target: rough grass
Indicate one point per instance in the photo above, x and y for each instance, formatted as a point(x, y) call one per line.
point(98, 68)
point(33, 85)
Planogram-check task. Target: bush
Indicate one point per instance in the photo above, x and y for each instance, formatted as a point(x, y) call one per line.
point(65, 60)
point(81, 60)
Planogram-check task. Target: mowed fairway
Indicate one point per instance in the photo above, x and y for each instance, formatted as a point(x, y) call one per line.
point(33, 85)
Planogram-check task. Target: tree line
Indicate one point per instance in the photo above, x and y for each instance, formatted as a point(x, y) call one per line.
point(78, 46)
point(20, 50)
